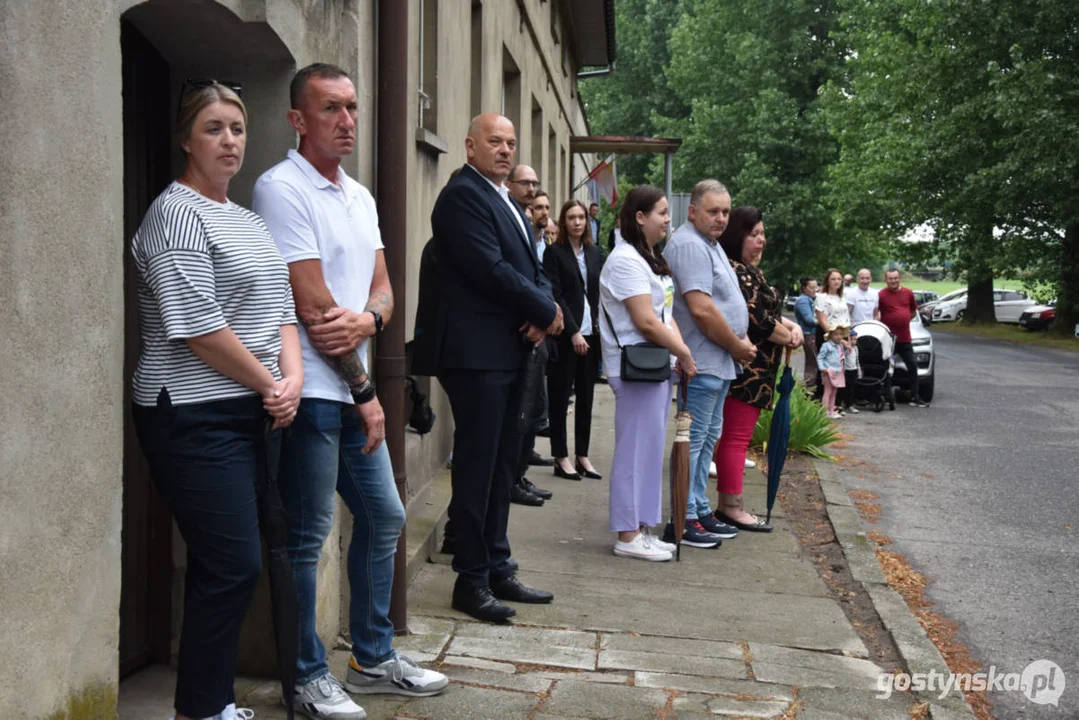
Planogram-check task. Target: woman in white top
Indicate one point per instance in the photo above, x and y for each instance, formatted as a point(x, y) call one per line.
point(636, 308)
point(830, 305)
point(220, 354)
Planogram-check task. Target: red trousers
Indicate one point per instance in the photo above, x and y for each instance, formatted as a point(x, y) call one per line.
point(739, 419)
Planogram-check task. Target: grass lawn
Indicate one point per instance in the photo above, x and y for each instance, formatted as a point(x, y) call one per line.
point(1008, 333)
point(946, 286)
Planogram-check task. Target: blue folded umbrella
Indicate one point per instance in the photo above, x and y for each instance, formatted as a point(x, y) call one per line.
point(780, 434)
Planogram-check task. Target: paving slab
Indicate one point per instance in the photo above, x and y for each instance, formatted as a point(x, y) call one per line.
point(671, 646)
point(845, 703)
point(682, 663)
point(525, 634)
point(605, 702)
point(464, 702)
point(521, 682)
point(731, 707)
point(942, 712)
point(479, 664)
point(691, 705)
point(424, 643)
point(802, 676)
point(610, 677)
point(528, 653)
point(600, 603)
point(714, 686)
point(761, 653)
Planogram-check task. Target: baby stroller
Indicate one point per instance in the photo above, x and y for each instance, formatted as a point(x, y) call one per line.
point(876, 344)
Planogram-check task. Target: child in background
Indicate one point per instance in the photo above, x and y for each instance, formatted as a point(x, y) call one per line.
point(830, 363)
point(851, 372)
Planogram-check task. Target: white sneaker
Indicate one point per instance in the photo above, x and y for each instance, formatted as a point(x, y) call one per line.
point(641, 548)
point(397, 676)
point(750, 463)
point(231, 712)
point(712, 472)
point(324, 699)
point(656, 542)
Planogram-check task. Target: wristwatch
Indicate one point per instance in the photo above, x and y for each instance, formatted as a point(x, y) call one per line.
point(378, 322)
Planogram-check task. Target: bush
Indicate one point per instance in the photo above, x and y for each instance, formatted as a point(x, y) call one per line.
point(811, 429)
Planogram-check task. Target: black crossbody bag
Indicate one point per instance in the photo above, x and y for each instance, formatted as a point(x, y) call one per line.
point(643, 362)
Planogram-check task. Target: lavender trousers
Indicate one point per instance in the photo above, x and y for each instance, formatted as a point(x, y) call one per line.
point(640, 439)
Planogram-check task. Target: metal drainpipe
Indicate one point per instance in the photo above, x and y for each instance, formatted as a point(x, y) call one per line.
point(391, 162)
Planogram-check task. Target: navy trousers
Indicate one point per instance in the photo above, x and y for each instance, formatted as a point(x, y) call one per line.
point(204, 459)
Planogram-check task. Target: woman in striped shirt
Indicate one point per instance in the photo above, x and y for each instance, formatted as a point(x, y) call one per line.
point(220, 352)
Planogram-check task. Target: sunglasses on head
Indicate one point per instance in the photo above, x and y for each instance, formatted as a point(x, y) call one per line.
point(203, 83)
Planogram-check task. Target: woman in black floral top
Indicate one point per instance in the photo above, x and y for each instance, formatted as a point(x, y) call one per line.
point(752, 391)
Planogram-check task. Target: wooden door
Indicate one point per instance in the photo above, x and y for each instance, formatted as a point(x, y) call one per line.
point(147, 525)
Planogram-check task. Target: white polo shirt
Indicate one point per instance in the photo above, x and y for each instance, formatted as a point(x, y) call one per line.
point(312, 218)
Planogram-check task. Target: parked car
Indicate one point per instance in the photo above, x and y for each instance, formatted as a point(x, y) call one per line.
point(922, 340)
point(925, 296)
point(1008, 305)
point(926, 310)
point(1038, 317)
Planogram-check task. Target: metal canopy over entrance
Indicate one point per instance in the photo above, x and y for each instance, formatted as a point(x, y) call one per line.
point(606, 144)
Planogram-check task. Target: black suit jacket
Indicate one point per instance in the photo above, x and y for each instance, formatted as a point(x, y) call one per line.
point(490, 282)
point(568, 289)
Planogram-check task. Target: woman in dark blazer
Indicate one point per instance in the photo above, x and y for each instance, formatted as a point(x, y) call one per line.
point(572, 264)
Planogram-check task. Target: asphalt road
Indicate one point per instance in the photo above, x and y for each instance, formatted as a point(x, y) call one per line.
point(981, 493)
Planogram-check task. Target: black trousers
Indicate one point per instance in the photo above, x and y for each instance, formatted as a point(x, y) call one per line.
point(486, 448)
point(818, 391)
point(906, 351)
point(847, 396)
point(204, 459)
point(573, 370)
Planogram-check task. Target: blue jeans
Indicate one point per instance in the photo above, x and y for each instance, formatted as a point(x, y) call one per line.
point(322, 454)
point(704, 400)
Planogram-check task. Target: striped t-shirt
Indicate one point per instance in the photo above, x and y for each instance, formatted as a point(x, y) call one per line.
point(203, 266)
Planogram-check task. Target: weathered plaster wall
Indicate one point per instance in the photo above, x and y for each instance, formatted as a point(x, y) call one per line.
point(60, 418)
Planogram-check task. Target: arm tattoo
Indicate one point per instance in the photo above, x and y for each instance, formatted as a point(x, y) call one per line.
point(348, 366)
point(381, 301)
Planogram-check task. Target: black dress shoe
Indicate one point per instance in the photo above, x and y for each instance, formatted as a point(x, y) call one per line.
point(559, 472)
point(519, 494)
point(481, 604)
point(511, 589)
point(540, 461)
point(544, 431)
point(590, 474)
point(538, 492)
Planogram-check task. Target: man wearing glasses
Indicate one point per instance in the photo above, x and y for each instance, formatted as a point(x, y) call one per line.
point(524, 188)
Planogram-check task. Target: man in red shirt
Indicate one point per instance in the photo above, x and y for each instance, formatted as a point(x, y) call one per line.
point(897, 309)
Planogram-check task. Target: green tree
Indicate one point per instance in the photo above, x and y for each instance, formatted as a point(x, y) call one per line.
point(626, 101)
point(1036, 101)
point(749, 74)
point(935, 124)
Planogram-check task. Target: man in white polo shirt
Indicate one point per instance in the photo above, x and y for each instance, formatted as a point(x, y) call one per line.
point(326, 226)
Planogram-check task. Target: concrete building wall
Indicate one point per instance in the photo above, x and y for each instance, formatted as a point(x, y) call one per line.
point(62, 244)
point(60, 420)
point(523, 31)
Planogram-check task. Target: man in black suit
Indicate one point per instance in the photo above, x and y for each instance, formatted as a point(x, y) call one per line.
point(496, 305)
